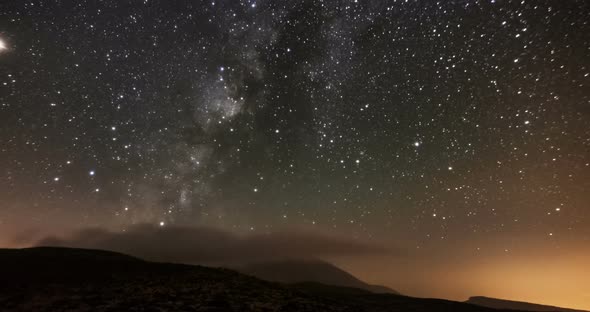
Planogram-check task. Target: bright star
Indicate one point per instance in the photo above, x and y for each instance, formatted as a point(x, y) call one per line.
point(3, 45)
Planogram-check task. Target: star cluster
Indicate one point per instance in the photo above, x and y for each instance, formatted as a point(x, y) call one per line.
point(428, 120)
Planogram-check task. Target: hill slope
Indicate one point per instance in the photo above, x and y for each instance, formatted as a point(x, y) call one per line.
point(515, 305)
point(300, 271)
point(62, 279)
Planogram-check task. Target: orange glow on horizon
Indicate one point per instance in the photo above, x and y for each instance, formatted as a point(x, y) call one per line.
point(558, 279)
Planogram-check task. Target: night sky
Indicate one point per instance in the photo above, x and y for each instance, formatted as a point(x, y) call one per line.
point(456, 132)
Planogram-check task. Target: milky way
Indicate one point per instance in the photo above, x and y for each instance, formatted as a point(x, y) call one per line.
point(421, 123)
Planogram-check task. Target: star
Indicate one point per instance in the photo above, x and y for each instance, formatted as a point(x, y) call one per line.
point(384, 121)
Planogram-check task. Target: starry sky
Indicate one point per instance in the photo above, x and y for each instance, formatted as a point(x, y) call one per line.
point(454, 131)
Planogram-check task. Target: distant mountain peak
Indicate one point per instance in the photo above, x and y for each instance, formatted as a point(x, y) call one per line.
point(515, 305)
point(295, 271)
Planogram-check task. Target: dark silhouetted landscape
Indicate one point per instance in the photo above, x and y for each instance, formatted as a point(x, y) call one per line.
point(300, 271)
point(67, 279)
point(515, 305)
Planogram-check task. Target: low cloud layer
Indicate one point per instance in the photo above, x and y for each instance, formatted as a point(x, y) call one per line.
point(214, 246)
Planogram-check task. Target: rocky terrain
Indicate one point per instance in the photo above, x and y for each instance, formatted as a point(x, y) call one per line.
point(63, 279)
